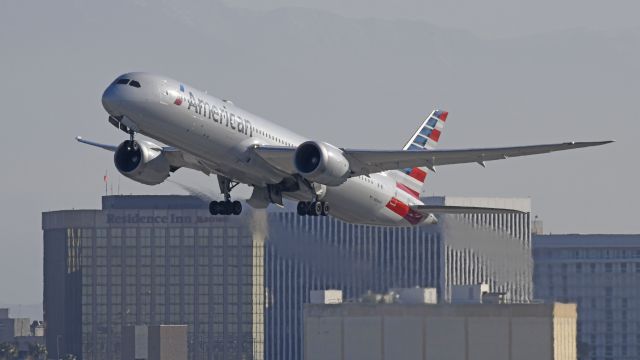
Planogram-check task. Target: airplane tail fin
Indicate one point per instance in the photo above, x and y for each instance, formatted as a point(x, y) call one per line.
point(426, 137)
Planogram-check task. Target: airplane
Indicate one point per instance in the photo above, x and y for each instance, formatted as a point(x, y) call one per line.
point(213, 136)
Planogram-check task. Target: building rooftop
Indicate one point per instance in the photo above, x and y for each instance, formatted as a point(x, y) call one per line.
point(168, 202)
point(156, 202)
point(441, 310)
point(585, 240)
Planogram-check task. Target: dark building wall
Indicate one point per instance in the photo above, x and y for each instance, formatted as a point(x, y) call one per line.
point(314, 253)
point(311, 253)
point(128, 346)
point(61, 295)
point(601, 274)
point(166, 264)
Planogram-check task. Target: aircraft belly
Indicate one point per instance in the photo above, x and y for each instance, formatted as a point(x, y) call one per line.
point(356, 201)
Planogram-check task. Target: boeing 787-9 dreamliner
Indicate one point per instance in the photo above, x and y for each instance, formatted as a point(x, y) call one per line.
point(201, 132)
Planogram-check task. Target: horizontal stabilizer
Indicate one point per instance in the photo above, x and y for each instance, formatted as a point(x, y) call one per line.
point(441, 209)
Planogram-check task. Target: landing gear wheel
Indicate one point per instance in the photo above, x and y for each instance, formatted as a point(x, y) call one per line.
point(225, 208)
point(302, 208)
point(214, 209)
point(325, 208)
point(313, 208)
point(236, 207)
point(310, 208)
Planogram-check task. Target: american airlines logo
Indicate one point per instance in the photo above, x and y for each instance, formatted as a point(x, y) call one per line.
point(219, 115)
point(179, 98)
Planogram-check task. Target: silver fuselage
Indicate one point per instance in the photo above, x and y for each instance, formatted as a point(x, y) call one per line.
point(220, 135)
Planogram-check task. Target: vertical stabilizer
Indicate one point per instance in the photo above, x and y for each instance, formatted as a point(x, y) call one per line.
point(426, 137)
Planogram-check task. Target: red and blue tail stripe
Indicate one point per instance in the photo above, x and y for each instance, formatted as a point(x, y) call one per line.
point(426, 137)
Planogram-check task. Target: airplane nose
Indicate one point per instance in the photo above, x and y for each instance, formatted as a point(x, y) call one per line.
point(111, 101)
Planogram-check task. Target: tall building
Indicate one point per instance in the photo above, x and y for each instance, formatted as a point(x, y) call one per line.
point(152, 260)
point(359, 331)
point(310, 253)
point(601, 273)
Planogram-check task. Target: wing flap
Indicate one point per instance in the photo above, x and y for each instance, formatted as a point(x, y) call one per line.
point(443, 209)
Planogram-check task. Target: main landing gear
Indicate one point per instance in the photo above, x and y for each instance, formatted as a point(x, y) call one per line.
point(226, 207)
point(313, 208)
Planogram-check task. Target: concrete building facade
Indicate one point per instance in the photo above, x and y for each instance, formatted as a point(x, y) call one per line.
point(152, 260)
point(311, 253)
point(155, 342)
point(21, 332)
point(10, 328)
point(601, 273)
point(454, 332)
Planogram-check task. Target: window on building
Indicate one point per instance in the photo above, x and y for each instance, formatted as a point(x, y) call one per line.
point(608, 290)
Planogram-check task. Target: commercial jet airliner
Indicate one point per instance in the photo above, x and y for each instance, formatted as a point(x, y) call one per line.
point(201, 132)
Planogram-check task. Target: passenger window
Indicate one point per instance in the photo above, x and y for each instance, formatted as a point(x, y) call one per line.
point(122, 81)
point(134, 83)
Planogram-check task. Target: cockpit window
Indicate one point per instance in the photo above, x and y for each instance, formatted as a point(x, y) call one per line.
point(122, 81)
point(134, 84)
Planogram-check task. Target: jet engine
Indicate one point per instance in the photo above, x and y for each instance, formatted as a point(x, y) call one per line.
point(142, 161)
point(321, 163)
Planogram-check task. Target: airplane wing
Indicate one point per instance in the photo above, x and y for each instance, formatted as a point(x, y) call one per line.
point(93, 143)
point(177, 158)
point(364, 162)
point(442, 209)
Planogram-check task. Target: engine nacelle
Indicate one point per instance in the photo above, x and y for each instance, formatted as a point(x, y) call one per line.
point(321, 163)
point(142, 161)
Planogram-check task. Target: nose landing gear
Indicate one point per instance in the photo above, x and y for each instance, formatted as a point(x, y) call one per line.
point(313, 208)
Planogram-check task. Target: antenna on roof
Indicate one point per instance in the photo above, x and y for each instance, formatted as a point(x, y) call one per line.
point(106, 181)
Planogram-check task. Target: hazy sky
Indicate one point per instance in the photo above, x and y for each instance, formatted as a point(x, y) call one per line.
point(488, 18)
point(355, 74)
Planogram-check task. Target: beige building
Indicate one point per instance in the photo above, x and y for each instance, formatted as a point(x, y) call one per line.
point(356, 331)
point(155, 342)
